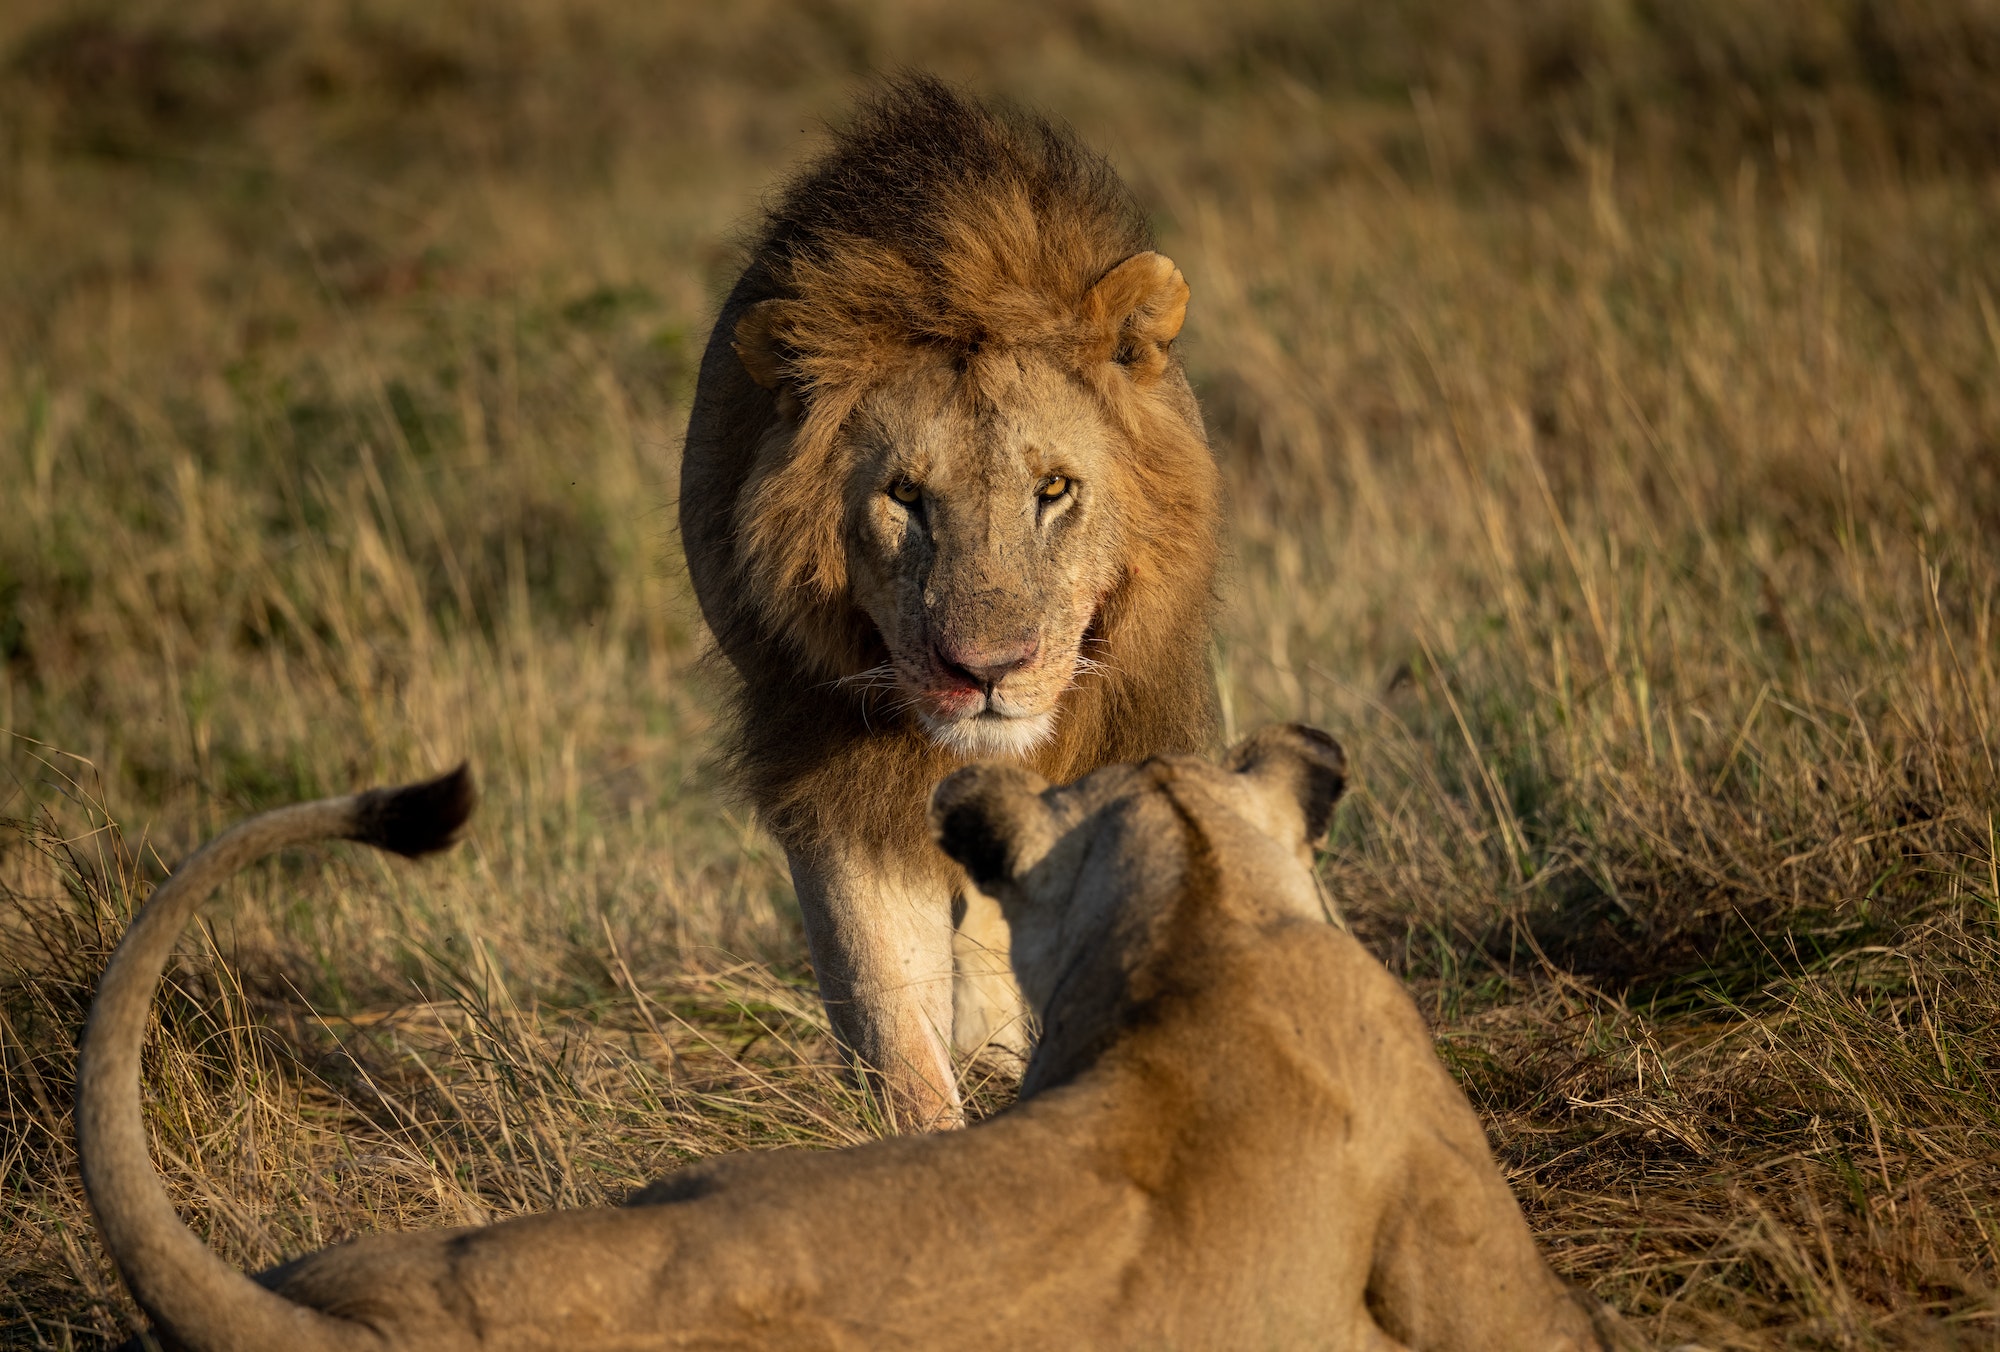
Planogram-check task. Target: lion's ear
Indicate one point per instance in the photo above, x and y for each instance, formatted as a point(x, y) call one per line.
point(992, 820)
point(1138, 308)
point(1300, 768)
point(760, 347)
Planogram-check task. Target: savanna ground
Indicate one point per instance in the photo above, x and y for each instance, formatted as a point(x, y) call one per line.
point(1609, 393)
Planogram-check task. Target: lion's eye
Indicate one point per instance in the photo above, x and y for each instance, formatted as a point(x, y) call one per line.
point(905, 492)
point(1051, 488)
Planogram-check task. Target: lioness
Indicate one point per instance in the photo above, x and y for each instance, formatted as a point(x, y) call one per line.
point(1234, 1133)
point(945, 494)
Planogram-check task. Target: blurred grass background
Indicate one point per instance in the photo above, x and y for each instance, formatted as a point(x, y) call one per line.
point(1609, 393)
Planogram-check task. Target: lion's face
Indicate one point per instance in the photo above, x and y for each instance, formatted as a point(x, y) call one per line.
point(981, 526)
point(991, 496)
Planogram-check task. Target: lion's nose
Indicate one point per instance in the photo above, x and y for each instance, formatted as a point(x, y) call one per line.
point(985, 666)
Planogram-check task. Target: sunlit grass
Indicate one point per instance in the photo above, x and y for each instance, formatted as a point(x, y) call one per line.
point(1626, 503)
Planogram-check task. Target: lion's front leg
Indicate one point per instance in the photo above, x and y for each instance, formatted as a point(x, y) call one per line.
point(989, 1021)
point(882, 950)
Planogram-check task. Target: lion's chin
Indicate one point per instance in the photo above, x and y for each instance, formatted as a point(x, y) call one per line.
point(989, 734)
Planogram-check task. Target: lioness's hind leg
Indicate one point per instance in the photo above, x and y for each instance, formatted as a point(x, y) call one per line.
point(1457, 1268)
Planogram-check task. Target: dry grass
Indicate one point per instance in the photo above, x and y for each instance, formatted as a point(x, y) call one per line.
point(1611, 401)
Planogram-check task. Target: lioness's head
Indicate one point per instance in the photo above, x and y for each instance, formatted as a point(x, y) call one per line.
point(981, 457)
point(1097, 878)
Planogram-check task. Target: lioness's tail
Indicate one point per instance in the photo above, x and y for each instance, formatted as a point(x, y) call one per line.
point(198, 1301)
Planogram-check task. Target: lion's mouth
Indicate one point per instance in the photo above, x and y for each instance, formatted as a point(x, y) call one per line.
point(994, 718)
point(1003, 715)
point(959, 703)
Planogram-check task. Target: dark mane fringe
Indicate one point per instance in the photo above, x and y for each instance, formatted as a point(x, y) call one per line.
point(920, 174)
point(914, 138)
point(935, 220)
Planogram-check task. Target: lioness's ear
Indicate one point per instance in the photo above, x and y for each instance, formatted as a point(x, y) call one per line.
point(992, 820)
point(1138, 307)
point(1296, 763)
point(759, 348)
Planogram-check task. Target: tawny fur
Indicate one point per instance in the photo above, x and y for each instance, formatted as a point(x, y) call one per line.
point(1233, 1134)
point(984, 265)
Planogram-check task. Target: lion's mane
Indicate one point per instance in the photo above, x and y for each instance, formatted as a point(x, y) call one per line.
point(933, 222)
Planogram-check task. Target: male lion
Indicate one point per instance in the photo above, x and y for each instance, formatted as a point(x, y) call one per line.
point(946, 494)
point(1234, 1133)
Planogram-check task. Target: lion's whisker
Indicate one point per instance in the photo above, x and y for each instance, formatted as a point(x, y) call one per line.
point(876, 677)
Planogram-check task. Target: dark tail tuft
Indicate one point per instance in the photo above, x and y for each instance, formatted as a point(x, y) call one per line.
point(416, 819)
